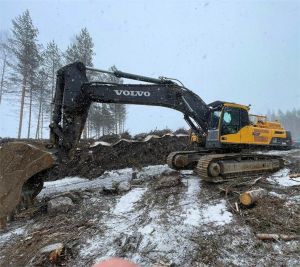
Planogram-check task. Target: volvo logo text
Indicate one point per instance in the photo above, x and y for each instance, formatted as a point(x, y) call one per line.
point(132, 93)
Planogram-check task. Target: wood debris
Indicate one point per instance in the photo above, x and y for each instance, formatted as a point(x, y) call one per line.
point(263, 236)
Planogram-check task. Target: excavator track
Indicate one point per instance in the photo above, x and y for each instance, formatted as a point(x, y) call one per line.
point(219, 167)
point(184, 160)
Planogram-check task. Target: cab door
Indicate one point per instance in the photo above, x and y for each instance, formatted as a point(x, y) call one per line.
point(230, 125)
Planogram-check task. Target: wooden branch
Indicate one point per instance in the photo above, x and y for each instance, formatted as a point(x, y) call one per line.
point(237, 206)
point(263, 236)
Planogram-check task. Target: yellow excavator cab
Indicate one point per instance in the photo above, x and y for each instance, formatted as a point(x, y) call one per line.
point(237, 126)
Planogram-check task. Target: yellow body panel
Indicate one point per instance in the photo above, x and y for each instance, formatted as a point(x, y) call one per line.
point(253, 135)
point(194, 138)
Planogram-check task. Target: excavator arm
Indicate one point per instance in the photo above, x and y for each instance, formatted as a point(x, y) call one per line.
point(74, 95)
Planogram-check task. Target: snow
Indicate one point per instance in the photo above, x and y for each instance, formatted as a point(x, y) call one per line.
point(196, 216)
point(11, 234)
point(278, 152)
point(106, 179)
point(191, 211)
point(165, 228)
point(146, 139)
point(217, 214)
point(100, 143)
point(282, 178)
point(51, 247)
point(186, 172)
point(274, 194)
point(127, 201)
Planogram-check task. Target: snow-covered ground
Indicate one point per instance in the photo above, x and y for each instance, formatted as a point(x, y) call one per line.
point(165, 231)
point(282, 178)
point(182, 225)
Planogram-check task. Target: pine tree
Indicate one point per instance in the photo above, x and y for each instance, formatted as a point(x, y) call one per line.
point(108, 118)
point(52, 62)
point(23, 45)
point(42, 95)
point(81, 49)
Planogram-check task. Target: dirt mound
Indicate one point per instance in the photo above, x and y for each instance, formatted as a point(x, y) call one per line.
point(91, 162)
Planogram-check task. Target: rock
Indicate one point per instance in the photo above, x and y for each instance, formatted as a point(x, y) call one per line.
point(168, 180)
point(59, 205)
point(74, 196)
point(145, 177)
point(170, 173)
point(52, 247)
point(124, 186)
point(137, 182)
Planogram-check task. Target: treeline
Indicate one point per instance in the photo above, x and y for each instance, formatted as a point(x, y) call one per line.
point(28, 74)
point(290, 120)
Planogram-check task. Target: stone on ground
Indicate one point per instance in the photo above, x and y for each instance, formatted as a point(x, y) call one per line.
point(59, 205)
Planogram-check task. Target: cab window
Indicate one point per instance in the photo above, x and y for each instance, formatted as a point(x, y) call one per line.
point(233, 120)
point(214, 120)
point(230, 120)
point(244, 118)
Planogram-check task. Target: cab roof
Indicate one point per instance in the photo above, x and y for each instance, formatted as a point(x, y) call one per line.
point(219, 104)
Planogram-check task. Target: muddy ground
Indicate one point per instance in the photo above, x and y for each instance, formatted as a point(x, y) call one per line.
point(93, 160)
point(187, 223)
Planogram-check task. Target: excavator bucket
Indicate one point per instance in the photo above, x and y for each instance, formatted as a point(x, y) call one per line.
point(19, 163)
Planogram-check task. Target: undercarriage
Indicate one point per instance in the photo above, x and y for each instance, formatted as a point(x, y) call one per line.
point(217, 167)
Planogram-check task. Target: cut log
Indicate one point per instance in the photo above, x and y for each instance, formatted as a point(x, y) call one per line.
point(249, 197)
point(277, 237)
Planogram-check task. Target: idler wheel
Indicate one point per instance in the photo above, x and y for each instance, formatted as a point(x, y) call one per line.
point(214, 169)
point(181, 161)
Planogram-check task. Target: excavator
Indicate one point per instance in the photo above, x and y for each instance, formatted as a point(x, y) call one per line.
point(224, 133)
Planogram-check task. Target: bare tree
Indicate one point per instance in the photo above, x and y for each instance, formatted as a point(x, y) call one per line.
point(4, 56)
point(23, 45)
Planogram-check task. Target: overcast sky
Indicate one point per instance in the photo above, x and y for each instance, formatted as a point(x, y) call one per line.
point(240, 51)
